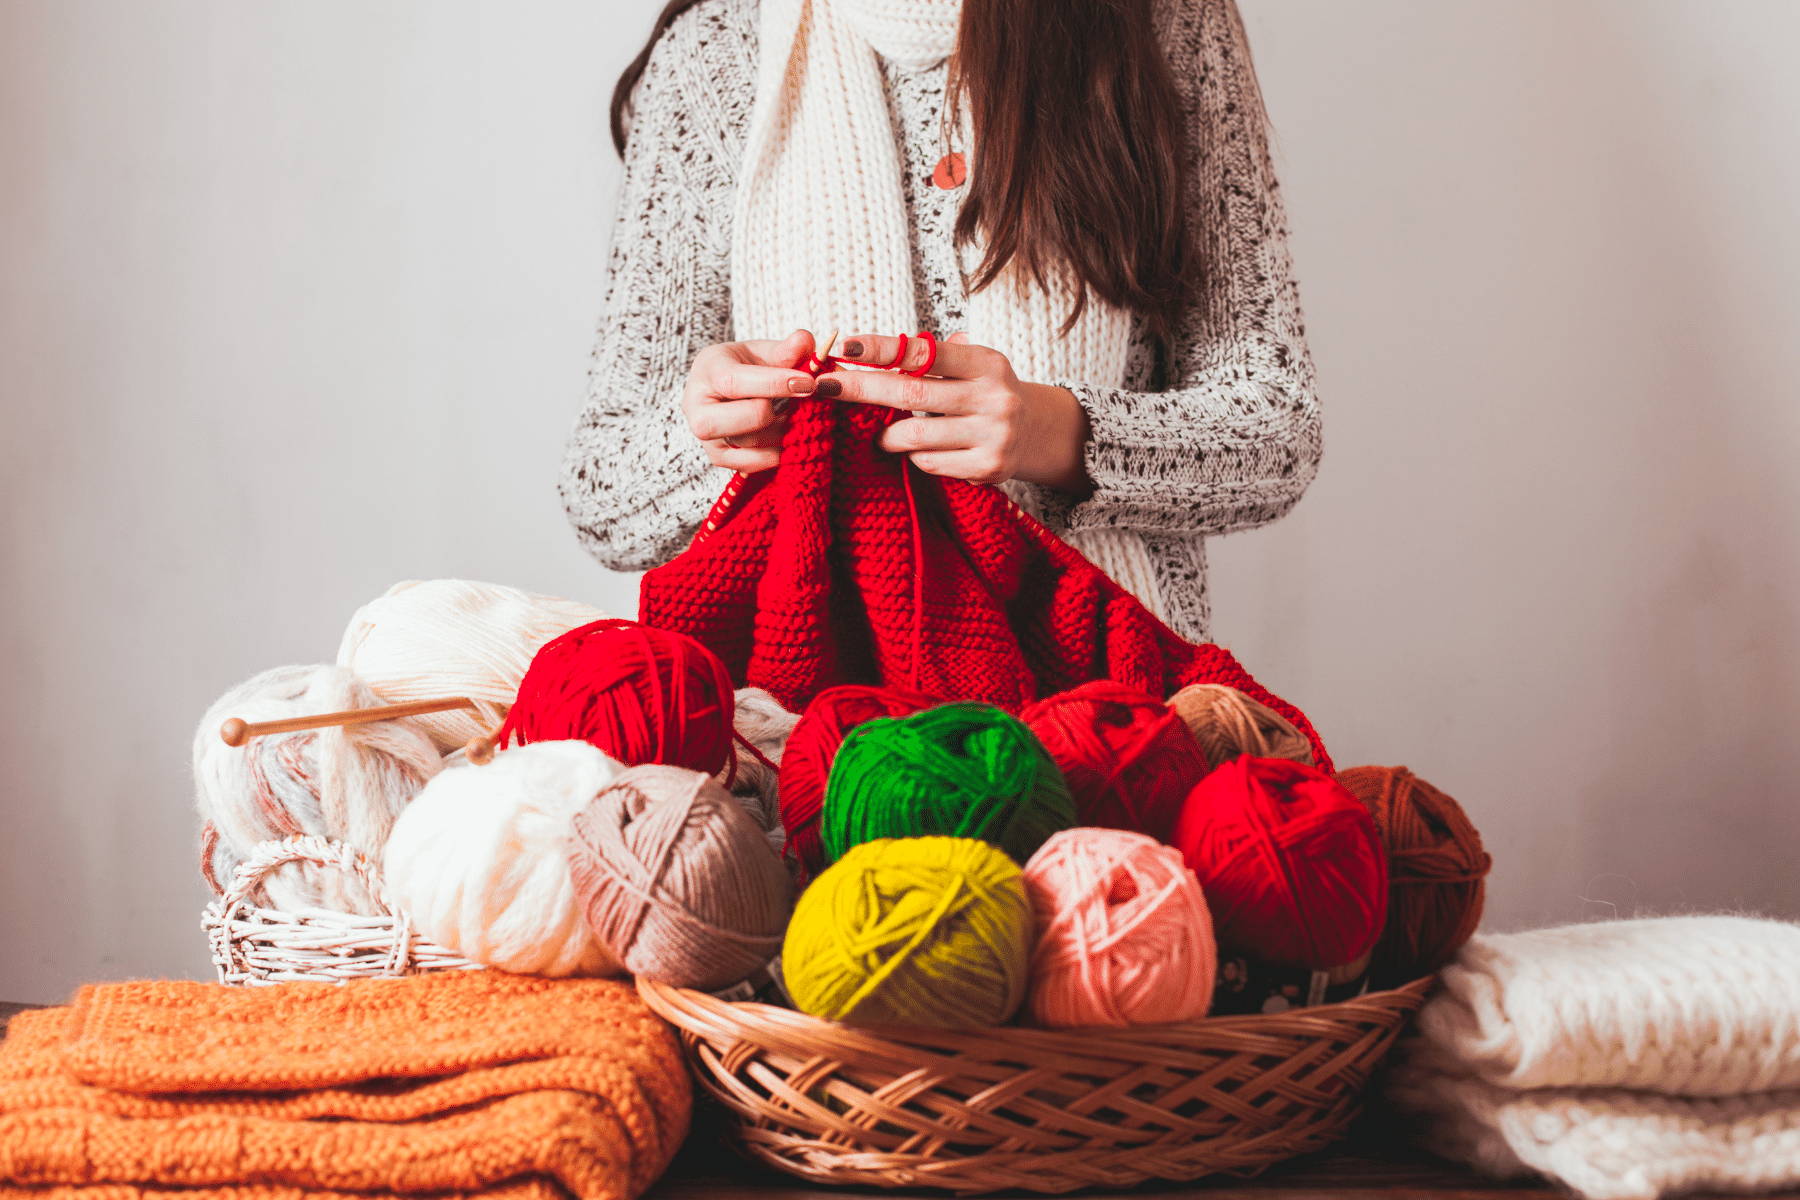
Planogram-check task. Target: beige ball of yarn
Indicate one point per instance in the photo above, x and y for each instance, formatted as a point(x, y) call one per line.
point(480, 860)
point(676, 879)
point(424, 640)
point(347, 783)
point(765, 724)
point(1228, 723)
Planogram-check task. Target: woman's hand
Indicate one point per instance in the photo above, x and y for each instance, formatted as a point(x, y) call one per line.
point(731, 395)
point(985, 426)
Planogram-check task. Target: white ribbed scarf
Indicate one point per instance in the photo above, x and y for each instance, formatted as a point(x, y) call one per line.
point(820, 236)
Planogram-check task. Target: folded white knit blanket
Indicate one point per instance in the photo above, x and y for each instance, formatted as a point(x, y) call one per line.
point(1627, 1059)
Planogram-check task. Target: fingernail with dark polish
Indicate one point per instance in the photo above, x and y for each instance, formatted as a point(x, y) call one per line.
point(828, 388)
point(853, 349)
point(801, 385)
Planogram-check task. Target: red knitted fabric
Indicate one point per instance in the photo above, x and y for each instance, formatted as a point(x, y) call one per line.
point(844, 564)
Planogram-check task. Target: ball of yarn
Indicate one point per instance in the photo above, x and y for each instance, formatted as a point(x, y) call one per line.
point(1437, 870)
point(1291, 863)
point(426, 639)
point(347, 783)
point(1123, 933)
point(677, 881)
point(763, 727)
point(1228, 723)
point(1129, 760)
point(480, 861)
point(813, 744)
point(912, 931)
point(642, 695)
point(961, 770)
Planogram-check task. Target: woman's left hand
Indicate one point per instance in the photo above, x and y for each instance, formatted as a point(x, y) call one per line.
point(985, 424)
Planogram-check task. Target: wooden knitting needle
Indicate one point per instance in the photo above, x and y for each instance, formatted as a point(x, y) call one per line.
point(830, 341)
point(235, 731)
point(480, 750)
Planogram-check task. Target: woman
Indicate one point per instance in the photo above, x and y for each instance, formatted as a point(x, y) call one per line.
point(1082, 187)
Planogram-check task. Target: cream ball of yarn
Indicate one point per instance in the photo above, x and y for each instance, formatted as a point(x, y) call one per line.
point(424, 640)
point(677, 880)
point(347, 783)
point(480, 860)
point(762, 721)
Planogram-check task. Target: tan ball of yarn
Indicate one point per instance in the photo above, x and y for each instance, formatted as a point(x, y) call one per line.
point(348, 783)
point(423, 640)
point(677, 880)
point(1228, 723)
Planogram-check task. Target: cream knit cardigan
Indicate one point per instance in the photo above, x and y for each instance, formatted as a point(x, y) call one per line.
point(1627, 1060)
point(820, 98)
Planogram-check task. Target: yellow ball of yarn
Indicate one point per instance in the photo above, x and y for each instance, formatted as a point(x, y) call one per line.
point(912, 931)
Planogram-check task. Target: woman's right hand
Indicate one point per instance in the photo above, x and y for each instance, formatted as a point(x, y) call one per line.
point(733, 394)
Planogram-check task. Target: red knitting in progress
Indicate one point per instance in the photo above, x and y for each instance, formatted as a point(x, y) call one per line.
point(846, 564)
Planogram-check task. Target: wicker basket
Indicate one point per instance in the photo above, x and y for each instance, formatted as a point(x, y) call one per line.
point(1034, 1109)
point(254, 945)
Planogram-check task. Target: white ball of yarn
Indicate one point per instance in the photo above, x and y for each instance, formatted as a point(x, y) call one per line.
point(762, 721)
point(347, 783)
point(480, 860)
point(424, 640)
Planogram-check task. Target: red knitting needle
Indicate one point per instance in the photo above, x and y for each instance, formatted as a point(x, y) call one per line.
point(236, 731)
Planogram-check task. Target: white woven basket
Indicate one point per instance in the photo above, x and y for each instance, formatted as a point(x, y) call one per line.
point(255, 945)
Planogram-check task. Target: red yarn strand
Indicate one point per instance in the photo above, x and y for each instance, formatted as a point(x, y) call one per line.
point(899, 355)
point(930, 341)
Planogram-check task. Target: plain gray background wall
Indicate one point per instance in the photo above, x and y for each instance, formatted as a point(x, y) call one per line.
point(296, 299)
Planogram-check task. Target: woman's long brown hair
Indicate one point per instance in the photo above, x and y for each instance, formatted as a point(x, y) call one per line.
point(1081, 164)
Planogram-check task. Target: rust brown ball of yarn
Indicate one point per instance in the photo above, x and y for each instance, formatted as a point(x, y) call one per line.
point(1437, 870)
point(1228, 723)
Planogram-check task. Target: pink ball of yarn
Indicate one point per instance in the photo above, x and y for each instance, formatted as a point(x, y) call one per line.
point(1124, 935)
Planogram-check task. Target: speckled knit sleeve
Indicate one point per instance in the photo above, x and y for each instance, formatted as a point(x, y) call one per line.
point(1232, 438)
point(635, 481)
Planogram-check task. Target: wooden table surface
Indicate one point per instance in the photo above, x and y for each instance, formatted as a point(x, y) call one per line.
point(708, 1170)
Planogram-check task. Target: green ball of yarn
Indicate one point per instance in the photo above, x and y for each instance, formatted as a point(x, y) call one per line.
point(961, 770)
point(932, 931)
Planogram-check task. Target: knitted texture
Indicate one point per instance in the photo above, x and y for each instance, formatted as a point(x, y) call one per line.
point(1219, 434)
point(1625, 1059)
point(847, 565)
point(459, 1082)
point(1691, 1006)
point(1609, 1143)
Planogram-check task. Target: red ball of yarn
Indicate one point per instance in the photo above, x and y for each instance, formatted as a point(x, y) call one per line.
point(1291, 863)
point(1130, 760)
point(806, 762)
point(1436, 866)
point(643, 695)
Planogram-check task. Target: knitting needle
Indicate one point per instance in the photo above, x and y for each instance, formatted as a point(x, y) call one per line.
point(480, 750)
point(236, 731)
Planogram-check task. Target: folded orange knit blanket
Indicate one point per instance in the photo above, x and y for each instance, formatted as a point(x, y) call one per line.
point(449, 1084)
